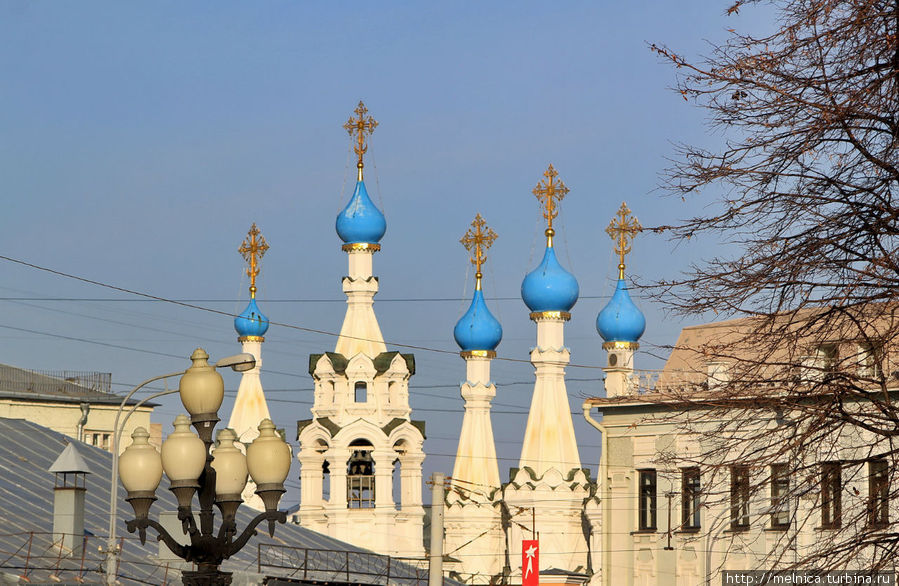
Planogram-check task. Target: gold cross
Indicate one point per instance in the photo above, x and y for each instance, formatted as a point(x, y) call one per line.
point(622, 229)
point(252, 249)
point(477, 240)
point(550, 191)
point(360, 126)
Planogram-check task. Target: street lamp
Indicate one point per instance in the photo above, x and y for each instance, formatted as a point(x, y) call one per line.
point(216, 475)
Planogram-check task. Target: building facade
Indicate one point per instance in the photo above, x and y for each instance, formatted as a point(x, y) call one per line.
point(80, 405)
point(742, 454)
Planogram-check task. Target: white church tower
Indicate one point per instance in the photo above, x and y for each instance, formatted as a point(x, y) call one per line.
point(472, 508)
point(550, 496)
point(250, 407)
point(361, 453)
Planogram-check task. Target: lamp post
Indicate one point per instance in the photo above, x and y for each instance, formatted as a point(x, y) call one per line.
point(216, 475)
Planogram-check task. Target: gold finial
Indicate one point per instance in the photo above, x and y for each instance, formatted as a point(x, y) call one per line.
point(357, 128)
point(252, 249)
point(550, 191)
point(477, 240)
point(622, 229)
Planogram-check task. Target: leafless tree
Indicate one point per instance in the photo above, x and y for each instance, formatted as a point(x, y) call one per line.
point(802, 194)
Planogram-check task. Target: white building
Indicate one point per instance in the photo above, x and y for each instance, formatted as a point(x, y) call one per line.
point(692, 484)
point(250, 407)
point(80, 405)
point(361, 442)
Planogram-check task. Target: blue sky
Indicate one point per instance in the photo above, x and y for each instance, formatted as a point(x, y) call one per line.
point(141, 140)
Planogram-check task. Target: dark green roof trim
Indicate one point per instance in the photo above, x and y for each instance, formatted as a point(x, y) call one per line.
point(301, 425)
point(396, 422)
point(410, 362)
point(332, 427)
point(381, 362)
point(338, 361)
point(568, 477)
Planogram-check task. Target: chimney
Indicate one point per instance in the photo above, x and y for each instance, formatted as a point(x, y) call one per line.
point(68, 499)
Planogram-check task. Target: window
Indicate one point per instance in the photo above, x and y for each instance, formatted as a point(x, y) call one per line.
point(878, 492)
point(647, 506)
point(828, 356)
point(870, 357)
point(739, 497)
point(361, 392)
point(831, 499)
point(780, 496)
point(360, 480)
point(99, 439)
point(690, 498)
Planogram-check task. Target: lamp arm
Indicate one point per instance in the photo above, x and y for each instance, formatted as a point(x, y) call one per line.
point(250, 530)
point(182, 551)
point(188, 525)
point(114, 473)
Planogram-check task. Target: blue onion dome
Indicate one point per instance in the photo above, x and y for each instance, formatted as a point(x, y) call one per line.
point(251, 323)
point(361, 220)
point(620, 320)
point(549, 287)
point(478, 329)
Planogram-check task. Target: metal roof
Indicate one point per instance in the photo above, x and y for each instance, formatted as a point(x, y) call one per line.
point(26, 525)
point(58, 386)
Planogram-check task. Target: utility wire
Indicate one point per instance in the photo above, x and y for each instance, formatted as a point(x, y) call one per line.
point(189, 305)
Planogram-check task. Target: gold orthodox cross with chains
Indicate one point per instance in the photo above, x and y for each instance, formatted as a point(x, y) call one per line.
point(550, 192)
point(477, 240)
point(357, 128)
point(252, 249)
point(622, 229)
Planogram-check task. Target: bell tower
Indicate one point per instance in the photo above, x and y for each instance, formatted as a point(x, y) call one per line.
point(360, 452)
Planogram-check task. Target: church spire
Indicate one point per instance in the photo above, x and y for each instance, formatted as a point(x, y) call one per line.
point(360, 225)
point(549, 287)
point(251, 324)
point(478, 334)
point(550, 292)
point(250, 407)
point(478, 330)
point(621, 323)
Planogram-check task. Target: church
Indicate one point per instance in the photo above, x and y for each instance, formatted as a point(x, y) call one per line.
point(361, 447)
point(647, 519)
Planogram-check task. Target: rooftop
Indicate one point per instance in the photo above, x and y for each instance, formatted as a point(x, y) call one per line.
point(26, 538)
point(65, 386)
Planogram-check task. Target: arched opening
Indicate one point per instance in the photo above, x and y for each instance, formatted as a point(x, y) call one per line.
point(322, 447)
point(397, 484)
point(393, 392)
point(361, 392)
point(400, 447)
point(360, 479)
